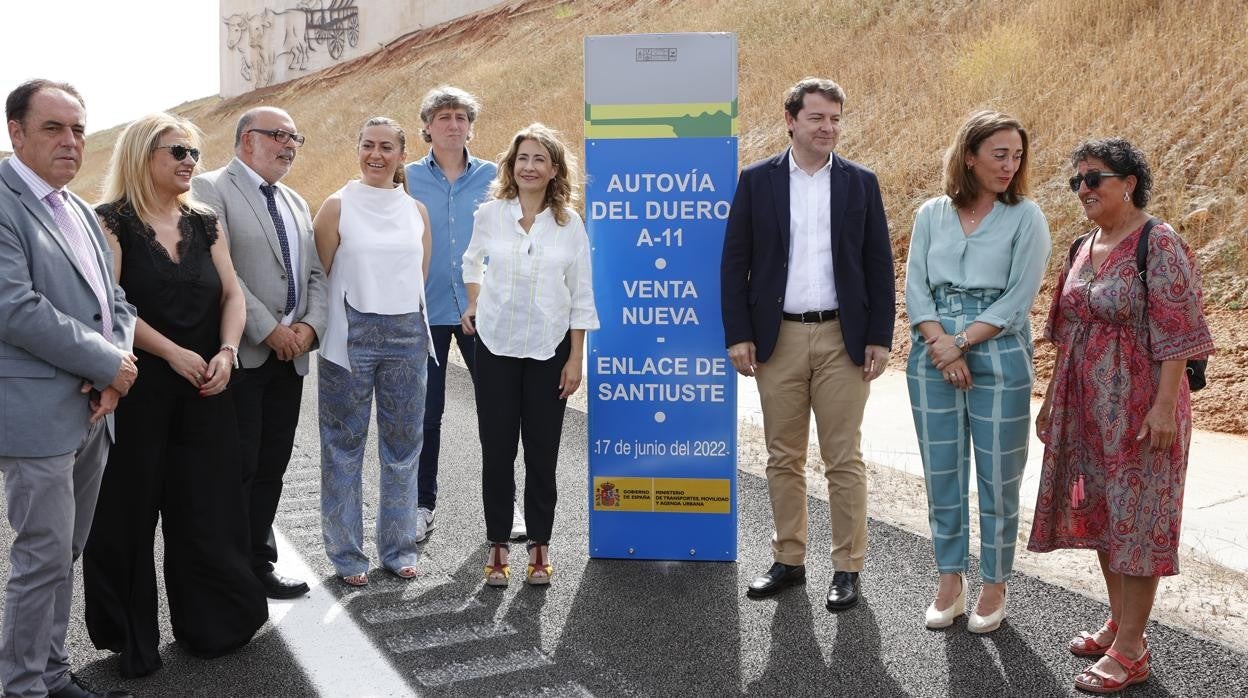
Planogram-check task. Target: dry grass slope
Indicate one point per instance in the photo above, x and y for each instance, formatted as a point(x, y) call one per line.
point(1167, 75)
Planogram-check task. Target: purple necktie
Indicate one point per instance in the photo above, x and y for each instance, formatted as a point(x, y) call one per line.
point(74, 233)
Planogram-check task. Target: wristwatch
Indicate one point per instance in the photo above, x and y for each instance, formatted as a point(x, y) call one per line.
point(961, 342)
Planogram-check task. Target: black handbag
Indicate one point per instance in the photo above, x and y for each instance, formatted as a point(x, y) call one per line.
point(1195, 367)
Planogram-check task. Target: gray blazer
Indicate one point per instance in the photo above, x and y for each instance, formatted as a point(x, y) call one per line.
point(257, 258)
point(47, 310)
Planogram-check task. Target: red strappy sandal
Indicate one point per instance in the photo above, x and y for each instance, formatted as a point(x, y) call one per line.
point(539, 570)
point(1086, 645)
point(498, 572)
point(1096, 680)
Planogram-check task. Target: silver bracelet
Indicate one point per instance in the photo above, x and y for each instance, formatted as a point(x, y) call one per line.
point(233, 351)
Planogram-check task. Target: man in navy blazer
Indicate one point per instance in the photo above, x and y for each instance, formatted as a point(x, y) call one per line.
point(808, 306)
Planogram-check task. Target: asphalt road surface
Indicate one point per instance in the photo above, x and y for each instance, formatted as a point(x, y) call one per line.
point(614, 628)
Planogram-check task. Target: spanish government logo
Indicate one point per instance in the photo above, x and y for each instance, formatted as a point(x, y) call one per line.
point(607, 495)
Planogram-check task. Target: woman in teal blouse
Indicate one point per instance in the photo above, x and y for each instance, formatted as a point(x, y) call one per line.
point(977, 257)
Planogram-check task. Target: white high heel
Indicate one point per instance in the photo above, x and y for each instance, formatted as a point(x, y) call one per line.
point(976, 623)
point(937, 619)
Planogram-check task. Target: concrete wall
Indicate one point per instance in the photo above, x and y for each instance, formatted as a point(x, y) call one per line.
point(266, 42)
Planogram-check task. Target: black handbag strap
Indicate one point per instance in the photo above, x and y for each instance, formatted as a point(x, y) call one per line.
point(1141, 252)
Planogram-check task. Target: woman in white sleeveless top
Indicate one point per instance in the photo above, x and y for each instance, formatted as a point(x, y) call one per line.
point(372, 239)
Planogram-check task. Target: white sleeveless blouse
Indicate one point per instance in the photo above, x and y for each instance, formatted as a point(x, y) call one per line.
point(378, 265)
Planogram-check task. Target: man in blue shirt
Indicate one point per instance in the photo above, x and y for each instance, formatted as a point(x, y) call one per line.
point(450, 182)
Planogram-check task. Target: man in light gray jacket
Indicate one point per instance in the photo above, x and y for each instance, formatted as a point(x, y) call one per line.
point(269, 228)
point(66, 333)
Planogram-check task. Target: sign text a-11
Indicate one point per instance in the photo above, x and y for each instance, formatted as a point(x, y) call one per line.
point(668, 238)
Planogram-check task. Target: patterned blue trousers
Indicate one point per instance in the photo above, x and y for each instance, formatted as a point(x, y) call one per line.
point(389, 356)
point(993, 418)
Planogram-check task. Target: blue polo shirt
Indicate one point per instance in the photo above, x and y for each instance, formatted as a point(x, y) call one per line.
point(451, 208)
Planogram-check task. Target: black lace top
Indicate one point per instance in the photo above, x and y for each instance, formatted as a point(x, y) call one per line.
point(181, 300)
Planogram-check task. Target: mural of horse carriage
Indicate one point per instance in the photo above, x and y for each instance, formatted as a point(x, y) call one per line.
point(336, 25)
point(286, 39)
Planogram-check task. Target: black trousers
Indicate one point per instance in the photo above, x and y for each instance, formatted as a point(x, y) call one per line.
point(176, 457)
point(267, 400)
point(435, 406)
point(518, 400)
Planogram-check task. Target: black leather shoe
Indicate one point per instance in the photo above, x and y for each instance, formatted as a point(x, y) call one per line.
point(278, 587)
point(843, 593)
point(775, 580)
point(77, 688)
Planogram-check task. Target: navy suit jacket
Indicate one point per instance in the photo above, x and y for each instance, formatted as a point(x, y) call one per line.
point(754, 266)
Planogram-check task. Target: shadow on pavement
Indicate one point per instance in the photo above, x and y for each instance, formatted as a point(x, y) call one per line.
point(975, 671)
point(796, 664)
point(655, 628)
point(262, 667)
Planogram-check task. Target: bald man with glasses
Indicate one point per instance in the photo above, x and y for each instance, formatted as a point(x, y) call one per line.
point(270, 232)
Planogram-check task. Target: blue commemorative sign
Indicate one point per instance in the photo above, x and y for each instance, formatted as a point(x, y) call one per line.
point(662, 392)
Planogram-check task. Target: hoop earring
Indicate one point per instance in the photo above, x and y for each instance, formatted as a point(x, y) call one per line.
point(1126, 196)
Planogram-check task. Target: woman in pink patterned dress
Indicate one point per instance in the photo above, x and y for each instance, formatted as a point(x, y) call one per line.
point(1116, 420)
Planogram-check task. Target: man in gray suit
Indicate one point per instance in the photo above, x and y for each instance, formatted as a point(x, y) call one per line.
point(65, 337)
point(269, 228)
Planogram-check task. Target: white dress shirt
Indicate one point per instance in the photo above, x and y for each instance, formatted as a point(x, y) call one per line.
point(292, 232)
point(537, 285)
point(811, 280)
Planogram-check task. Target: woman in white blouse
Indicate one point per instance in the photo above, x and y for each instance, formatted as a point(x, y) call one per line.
point(530, 309)
point(372, 239)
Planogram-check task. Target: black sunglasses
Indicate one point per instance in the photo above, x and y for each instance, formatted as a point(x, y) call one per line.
point(179, 152)
point(281, 136)
point(1092, 178)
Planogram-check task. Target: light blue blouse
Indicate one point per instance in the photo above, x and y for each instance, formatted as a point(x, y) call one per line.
point(1008, 252)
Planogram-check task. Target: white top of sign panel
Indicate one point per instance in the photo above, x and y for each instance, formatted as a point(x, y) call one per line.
point(660, 68)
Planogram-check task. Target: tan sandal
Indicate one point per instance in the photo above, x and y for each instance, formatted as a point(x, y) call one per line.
point(355, 580)
point(498, 572)
point(539, 570)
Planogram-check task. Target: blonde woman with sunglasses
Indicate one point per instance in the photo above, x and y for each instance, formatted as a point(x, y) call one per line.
point(176, 451)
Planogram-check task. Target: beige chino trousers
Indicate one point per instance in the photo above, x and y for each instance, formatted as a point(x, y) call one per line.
point(811, 370)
